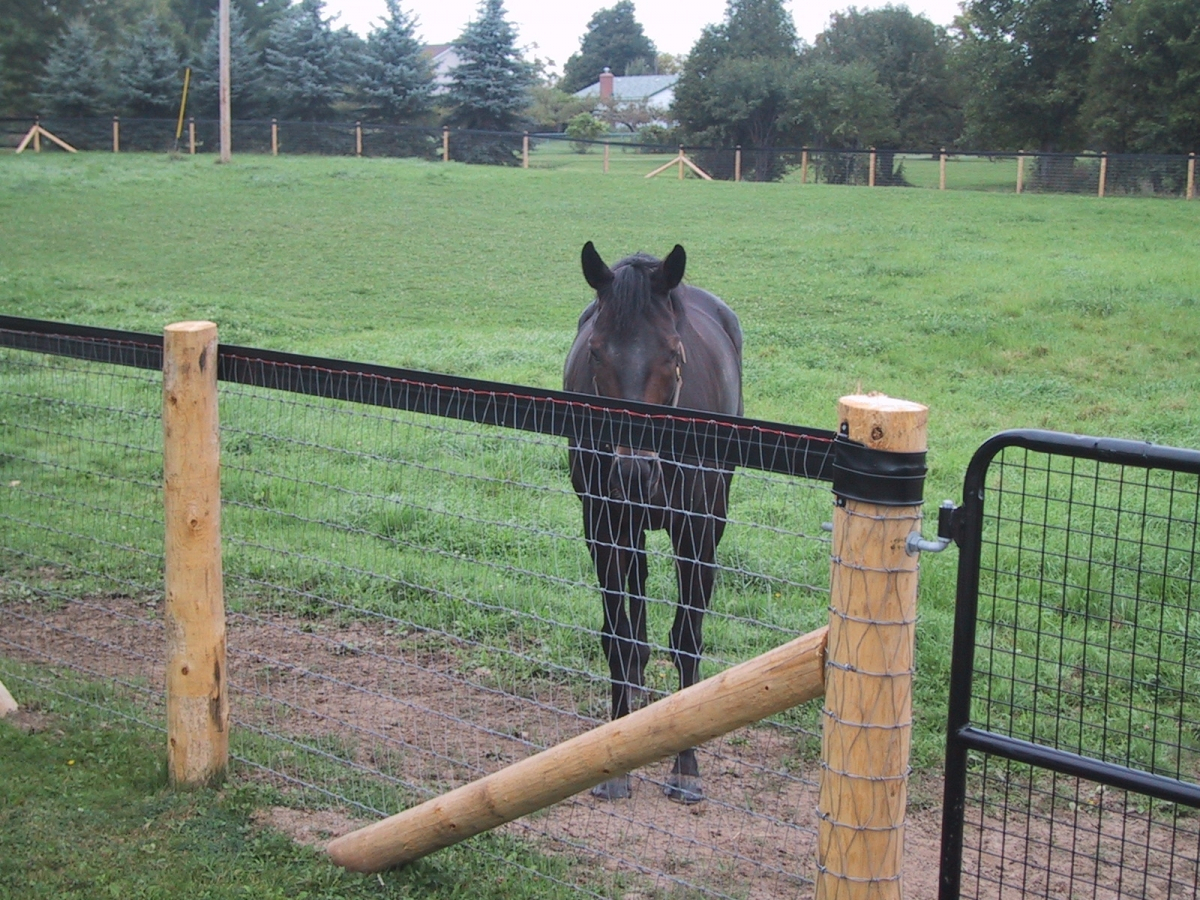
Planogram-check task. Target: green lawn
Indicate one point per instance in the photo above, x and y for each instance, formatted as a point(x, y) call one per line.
point(996, 310)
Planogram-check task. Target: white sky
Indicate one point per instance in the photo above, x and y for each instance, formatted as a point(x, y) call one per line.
point(556, 26)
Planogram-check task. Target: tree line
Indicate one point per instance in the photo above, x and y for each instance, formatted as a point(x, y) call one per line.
point(1047, 75)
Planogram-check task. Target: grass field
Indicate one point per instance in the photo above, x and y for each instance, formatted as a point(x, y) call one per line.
point(996, 310)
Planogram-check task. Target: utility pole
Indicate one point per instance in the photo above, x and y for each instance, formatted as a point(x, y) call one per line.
point(223, 38)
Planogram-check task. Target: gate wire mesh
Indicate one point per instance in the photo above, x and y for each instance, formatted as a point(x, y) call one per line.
point(410, 605)
point(1086, 641)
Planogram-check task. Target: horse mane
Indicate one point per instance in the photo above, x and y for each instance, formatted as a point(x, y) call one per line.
point(631, 293)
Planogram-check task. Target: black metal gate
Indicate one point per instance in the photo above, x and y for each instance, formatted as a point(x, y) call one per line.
point(1073, 744)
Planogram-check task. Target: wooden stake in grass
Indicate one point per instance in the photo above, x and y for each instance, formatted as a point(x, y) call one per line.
point(737, 163)
point(761, 687)
point(358, 138)
point(525, 151)
point(681, 160)
point(1103, 174)
point(192, 136)
point(871, 171)
point(1191, 176)
point(804, 166)
point(1020, 172)
point(35, 134)
point(274, 137)
point(445, 143)
point(942, 170)
point(868, 679)
point(197, 700)
point(116, 135)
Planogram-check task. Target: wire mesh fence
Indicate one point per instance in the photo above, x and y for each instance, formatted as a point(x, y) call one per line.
point(410, 605)
point(1079, 765)
point(1096, 174)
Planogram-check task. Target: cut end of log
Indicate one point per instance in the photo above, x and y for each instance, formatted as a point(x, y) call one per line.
point(8, 705)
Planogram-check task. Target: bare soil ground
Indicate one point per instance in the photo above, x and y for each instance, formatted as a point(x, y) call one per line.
point(399, 708)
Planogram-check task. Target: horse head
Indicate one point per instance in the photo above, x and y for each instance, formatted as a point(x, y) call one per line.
point(634, 352)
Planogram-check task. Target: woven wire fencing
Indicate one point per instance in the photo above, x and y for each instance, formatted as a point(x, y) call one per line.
point(1159, 175)
point(1086, 645)
point(410, 605)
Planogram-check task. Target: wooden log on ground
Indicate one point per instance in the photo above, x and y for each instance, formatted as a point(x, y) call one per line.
point(761, 687)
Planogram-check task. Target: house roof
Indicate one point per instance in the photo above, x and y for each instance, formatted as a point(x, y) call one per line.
point(630, 88)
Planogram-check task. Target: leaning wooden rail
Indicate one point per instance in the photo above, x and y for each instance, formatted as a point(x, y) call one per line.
point(761, 687)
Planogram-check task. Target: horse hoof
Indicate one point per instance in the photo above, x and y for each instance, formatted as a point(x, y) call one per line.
point(684, 789)
point(614, 789)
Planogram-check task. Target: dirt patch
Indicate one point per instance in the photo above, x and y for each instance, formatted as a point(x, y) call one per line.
point(30, 721)
point(388, 717)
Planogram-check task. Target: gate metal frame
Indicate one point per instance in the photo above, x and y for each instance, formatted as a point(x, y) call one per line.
point(961, 735)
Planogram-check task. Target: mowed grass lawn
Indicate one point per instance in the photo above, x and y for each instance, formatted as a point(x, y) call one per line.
point(996, 310)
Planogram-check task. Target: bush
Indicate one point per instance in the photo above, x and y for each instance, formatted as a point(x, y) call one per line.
point(583, 129)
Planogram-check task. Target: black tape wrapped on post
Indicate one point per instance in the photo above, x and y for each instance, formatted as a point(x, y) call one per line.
point(877, 476)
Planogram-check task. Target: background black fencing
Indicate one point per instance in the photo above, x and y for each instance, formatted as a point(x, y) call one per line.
point(1073, 766)
point(1073, 173)
point(410, 603)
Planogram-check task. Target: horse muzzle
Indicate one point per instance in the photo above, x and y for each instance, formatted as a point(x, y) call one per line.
point(636, 477)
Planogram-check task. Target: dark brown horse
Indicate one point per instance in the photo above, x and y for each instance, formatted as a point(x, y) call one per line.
point(650, 338)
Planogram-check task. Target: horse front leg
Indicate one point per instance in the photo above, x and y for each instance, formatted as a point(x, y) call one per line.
point(695, 541)
point(615, 552)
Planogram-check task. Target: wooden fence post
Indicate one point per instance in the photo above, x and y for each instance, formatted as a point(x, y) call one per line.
point(197, 700)
point(1020, 172)
point(445, 143)
point(942, 171)
point(681, 162)
point(274, 137)
point(37, 134)
point(1103, 174)
point(606, 157)
point(1191, 176)
point(868, 676)
point(804, 165)
point(525, 151)
point(358, 138)
point(192, 136)
point(871, 170)
point(737, 163)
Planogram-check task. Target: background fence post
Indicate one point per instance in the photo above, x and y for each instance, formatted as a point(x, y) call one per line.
point(37, 134)
point(867, 731)
point(445, 143)
point(942, 171)
point(274, 137)
point(1191, 178)
point(681, 162)
point(737, 163)
point(804, 165)
point(1103, 174)
point(358, 138)
point(871, 170)
point(197, 701)
point(606, 157)
point(192, 136)
point(1020, 172)
point(525, 151)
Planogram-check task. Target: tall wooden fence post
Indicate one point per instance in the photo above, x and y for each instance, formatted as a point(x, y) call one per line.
point(525, 151)
point(358, 138)
point(197, 699)
point(871, 170)
point(869, 667)
point(1020, 172)
point(274, 137)
point(192, 136)
point(445, 144)
point(1191, 176)
point(37, 135)
point(804, 165)
point(606, 157)
point(1103, 174)
point(681, 162)
point(116, 134)
point(942, 171)
point(737, 163)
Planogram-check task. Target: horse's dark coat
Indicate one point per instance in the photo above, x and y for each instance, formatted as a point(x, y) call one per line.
point(648, 337)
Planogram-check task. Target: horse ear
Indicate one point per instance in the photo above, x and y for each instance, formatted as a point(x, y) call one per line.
point(597, 274)
point(670, 273)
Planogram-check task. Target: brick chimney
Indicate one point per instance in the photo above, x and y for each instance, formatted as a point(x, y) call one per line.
point(606, 84)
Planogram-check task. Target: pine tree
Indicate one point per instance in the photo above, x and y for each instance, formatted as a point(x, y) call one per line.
point(245, 72)
point(614, 40)
point(305, 66)
point(76, 80)
point(490, 87)
point(396, 81)
point(149, 76)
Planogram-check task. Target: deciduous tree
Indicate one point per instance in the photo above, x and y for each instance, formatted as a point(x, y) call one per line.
point(614, 40)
